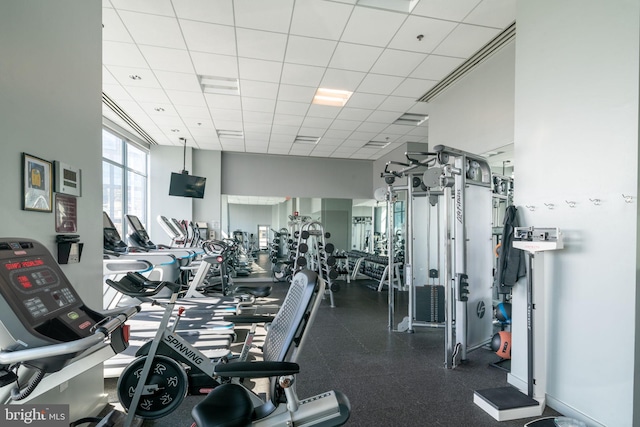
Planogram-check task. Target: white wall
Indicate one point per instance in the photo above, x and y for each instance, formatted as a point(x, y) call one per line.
point(50, 75)
point(576, 138)
point(248, 217)
point(270, 175)
point(207, 163)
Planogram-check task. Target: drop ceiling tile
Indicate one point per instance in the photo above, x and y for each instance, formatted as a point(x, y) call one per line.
point(178, 81)
point(399, 129)
point(256, 117)
point(278, 140)
point(420, 108)
point(211, 38)
point(147, 94)
point(300, 150)
point(325, 111)
point(254, 128)
point(372, 127)
point(159, 7)
point(328, 141)
point(493, 13)
point(295, 93)
point(436, 67)
point(397, 63)
point(372, 27)
point(349, 125)
point(121, 74)
point(108, 78)
point(215, 12)
point(414, 88)
point(368, 101)
point(285, 130)
point(260, 70)
point(397, 103)
point(165, 59)
point(311, 131)
point(261, 44)
point(210, 145)
point(301, 75)
point(180, 97)
point(113, 28)
point(203, 133)
point(254, 89)
point(445, 9)
point(262, 149)
point(379, 84)
point(341, 79)
point(355, 114)
point(123, 54)
point(258, 104)
point(385, 117)
point(356, 57)
point(287, 119)
point(465, 40)
point(228, 115)
point(227, 102)
point(222, 124)
point(211, 64)
point(432, 30)
point(337, 134)
point(256, 137)
point(309, 51)
point(321, 19)
point(316, 123)
point(279, 151)
point(153, 30)
point(292, 108)
point(272, 15)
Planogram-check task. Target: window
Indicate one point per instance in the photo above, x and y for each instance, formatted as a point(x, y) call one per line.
point(124, 180)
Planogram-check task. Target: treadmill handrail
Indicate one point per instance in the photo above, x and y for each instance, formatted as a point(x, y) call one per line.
point(102, 332)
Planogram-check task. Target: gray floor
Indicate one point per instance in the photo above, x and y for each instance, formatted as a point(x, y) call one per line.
point(391, 378)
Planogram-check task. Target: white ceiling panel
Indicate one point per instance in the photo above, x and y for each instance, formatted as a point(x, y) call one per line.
point(211, 64)
point(414, 88)
point(296, 93)
point(113, 29)
point(309, 51)
point(258, 104)
point(372, 27)
point(292, 108)
point(445, 9)
point(287, 119)
point(465, 40)
point(284, 130)
point(148, 94)
point(256, 130)
point(153, 30)
point(369, 101)
point(254, 89)
point(358, 138)
point(353, 114)
point(261, 44)
point(186, 111)
point(380, 84)
point(357, 57)
point(281, 141)
point(337, 134)
point(320, 19)
point(372, 127)
point(384, 117)
point(256, 117)
point(179, 97)
point(117, 92)
point(349, 125)
point(341, 79)
point(260, 70)
point(227, 102)
point(203, 133)
point(156, 7)
point(493, 13)
point(327, 141)
point(226, 115)
point(215, 12)
point(272, 15)
point(231, 125)
point(124, 54)
point(397, 103)
point(436, 67)
point(316, 122)
point(325, 111)
point(107, 77)
point(179, 81)
point(165, 59)
point(432, 30)
point(397, 62)
point(211, 38)
point(302, 75)
point(420, 108)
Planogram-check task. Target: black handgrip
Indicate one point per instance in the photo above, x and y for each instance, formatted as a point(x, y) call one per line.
point(256, 369)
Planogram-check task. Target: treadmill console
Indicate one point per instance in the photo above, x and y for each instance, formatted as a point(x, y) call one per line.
point(139, 235)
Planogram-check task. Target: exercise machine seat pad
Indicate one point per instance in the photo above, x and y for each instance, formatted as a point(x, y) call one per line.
point(228, 405)
point(256, 291)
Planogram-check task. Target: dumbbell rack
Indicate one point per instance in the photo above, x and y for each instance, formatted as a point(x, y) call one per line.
point(315, 254)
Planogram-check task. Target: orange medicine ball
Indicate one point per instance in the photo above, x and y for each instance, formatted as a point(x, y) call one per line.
point(501, 344)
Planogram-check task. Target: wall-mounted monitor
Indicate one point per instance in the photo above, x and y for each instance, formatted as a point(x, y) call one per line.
point(187, 185)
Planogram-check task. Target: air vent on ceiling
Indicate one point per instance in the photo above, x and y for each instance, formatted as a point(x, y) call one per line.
point(497, 43)
point(128, 120)
point(219, 85)
point(376, 144)
point(411, 119)
point(230, 133)
point(306, 139)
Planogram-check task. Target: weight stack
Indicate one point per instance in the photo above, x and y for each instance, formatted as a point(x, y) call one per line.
point(430, 303)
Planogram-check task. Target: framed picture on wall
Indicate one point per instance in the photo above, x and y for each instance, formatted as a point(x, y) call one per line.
point(36, 184)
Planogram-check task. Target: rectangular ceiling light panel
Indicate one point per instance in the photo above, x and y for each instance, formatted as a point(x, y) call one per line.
point(411, 119)
point(230, 133)
point(331, 97)
point(219, 85)
point(306, 139)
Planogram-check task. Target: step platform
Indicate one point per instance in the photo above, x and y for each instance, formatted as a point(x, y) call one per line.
point(507, 403)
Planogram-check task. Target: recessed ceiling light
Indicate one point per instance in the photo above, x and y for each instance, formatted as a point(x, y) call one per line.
point(175, 130)
point(230, 133)
point(135, 77)
point(376, 144)
point(306, 139)
point(159, 109)
point(411, 119)
point(331, 97)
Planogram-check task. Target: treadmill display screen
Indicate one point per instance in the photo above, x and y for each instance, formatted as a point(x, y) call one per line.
point(24, 264)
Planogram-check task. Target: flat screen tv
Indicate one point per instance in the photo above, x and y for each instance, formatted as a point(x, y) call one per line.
point(187, 185)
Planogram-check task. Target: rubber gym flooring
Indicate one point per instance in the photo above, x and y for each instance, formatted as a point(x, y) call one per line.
point(390, 378)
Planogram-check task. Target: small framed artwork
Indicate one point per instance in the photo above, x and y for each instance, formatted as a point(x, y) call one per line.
point(36, 184)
